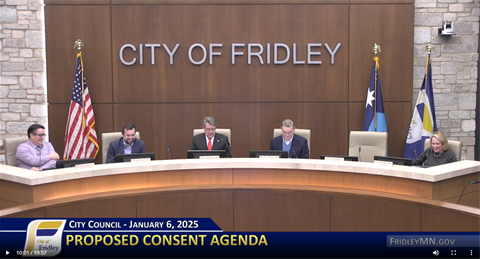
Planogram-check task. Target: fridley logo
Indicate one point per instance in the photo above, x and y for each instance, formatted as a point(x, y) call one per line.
point(44, 238)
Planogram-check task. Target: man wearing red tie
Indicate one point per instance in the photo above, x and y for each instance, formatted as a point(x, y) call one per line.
point(211, 140)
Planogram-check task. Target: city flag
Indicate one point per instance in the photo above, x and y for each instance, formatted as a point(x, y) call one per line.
point(374, 119)
point(423, 123)
point(80, 136)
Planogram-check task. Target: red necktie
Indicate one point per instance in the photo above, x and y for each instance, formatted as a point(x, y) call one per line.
point(209, 144)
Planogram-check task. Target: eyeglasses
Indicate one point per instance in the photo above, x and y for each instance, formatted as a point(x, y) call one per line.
point(211, 129)
point(40, 135)
point(287, 132)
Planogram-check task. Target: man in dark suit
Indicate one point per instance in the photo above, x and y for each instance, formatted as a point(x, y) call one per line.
point(127, 144)
point(211, 140)
point(295, 145)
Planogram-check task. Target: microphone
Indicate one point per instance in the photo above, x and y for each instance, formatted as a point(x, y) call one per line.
point(415, 151)
point(111, 159)
point(359, 152)
point(228, 146)
point(472, 182)
point(114, 151)
point(168, 150)
point(295, 153)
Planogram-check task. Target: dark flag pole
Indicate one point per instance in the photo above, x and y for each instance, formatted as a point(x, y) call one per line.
point(376, 49)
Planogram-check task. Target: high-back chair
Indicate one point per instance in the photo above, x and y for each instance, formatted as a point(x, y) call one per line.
point(109, 137)
point(226, 132)
point(11, 145)
point(306, 133)
point(455, 146)
point(367, 144)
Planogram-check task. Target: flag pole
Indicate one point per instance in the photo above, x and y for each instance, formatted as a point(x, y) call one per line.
point(375, 50)
point(79, 46)
point(429, 49)
point(81, 139)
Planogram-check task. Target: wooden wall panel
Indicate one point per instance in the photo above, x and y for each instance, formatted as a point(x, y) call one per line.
point(64, 24)
point(222, 81)
point(393, 216)
point(334, 179)
point(75, 2)
point(453, 187)
point(252, 125)
point(181, 2)
point(31, 214)
point(382, 1)
point(260, 208)
point(14, 193)
point(5, 204)
point(434, 219)
point(142, 180)
point(167, 101)
point(216, 205)
point(471, 199)
point(281, 210)
point(229, 2)
point(390, 26)
point(97, 208)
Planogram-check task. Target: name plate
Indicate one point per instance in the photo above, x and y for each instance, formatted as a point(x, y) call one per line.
point(140, 160)
point(83, 167)
point(331, 158)
point(208, 157)
point(383, 162)
point(269, 157)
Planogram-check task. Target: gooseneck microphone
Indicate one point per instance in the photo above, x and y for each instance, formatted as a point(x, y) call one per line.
point(168, 150)
point(359, 152)
point(472, 182)
point(295, 153)
point(111, 159)
point(415, 151)
point(228, 146)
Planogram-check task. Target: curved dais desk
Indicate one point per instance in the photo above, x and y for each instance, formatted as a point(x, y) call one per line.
point(244, 194)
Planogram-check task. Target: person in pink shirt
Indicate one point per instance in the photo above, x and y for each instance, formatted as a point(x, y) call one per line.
point(36, 154)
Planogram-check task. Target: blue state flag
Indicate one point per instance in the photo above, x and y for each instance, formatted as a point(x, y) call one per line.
point(374, 119)
point(423, 123)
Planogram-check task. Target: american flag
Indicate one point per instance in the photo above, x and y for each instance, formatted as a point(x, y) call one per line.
point(80, 136)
